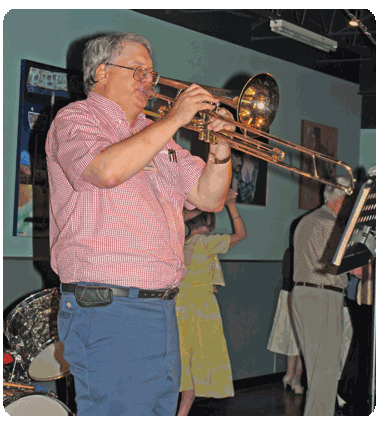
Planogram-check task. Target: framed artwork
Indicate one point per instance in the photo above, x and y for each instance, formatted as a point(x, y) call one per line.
point(44, 89)
point(249, 177)
point(323, 139)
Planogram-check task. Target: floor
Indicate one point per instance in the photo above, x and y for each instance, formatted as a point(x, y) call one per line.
point(262, 396)
point(260, 399)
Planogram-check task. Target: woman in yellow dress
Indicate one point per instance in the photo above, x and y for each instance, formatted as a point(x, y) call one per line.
point(206, 368)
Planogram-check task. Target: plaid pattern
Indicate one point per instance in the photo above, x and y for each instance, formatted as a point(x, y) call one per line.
point(130, 235)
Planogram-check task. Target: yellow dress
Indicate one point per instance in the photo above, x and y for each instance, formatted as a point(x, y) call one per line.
point(205, 361)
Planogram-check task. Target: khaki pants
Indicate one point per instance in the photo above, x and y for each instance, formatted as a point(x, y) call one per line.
point(324, 335)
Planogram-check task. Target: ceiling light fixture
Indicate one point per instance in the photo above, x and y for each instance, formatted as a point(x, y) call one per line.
point(303, 35)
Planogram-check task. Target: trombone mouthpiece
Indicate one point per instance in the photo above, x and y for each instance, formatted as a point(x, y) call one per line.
point(148, 91)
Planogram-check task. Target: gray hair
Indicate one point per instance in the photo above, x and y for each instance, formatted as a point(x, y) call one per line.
point(331, 193)
point(105, 49)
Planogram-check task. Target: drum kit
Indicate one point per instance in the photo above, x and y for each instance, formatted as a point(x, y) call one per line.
point(35, 354)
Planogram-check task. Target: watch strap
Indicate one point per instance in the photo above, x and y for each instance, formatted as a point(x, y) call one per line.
point(215, 160)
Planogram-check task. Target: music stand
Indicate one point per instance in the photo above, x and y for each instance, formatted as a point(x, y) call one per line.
point(357, 246)
point(358, 243)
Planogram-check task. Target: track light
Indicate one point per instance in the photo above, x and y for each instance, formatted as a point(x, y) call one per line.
point(302, 35)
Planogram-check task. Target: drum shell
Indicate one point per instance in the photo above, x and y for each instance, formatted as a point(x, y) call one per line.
point(32, 325)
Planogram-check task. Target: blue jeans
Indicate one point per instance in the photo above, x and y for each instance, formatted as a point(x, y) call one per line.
point(124, 357)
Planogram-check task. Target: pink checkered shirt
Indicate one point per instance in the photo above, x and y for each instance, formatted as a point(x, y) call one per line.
point(130, 235)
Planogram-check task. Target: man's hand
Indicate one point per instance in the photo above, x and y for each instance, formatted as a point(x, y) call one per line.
point(218, 124)
point(222, 149)
point(191, 101)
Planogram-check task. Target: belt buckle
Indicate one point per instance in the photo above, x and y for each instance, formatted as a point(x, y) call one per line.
point(168, 291)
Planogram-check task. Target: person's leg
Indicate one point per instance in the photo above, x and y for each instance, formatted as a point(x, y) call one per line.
point(166, 399)
point(346, 338)
point(123, 357)
point(318, 321)
point(290, 370)
point(299, 369)
point(187, 399)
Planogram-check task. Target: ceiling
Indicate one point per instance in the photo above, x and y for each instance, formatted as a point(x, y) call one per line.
point(354, 59)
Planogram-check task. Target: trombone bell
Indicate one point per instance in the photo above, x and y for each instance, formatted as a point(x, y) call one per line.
point(258, 103)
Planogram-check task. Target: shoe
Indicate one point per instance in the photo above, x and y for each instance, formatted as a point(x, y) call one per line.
point(297, 388)
point(340, 401)
point(286, 380)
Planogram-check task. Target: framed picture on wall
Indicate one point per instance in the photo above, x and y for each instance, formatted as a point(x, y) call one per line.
point(44, 89)
point(249, 178)
point(249, 174)
point(323, 139)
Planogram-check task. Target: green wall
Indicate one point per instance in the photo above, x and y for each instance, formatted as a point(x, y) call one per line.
point(368, 148)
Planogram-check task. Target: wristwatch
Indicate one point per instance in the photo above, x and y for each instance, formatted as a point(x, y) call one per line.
point(215, 160)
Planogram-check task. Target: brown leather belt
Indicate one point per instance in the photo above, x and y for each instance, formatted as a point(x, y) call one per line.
point(316, 285)
point(164, 294)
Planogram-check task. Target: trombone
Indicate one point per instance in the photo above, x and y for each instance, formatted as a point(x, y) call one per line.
point(256, 107)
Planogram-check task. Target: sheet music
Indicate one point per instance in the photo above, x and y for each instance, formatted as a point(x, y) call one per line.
point(360, 232)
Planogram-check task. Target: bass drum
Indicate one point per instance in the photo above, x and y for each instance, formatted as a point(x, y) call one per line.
point(31, 328)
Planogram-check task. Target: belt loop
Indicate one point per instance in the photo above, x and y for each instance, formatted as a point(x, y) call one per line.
point(133, 293)
point(164, 297)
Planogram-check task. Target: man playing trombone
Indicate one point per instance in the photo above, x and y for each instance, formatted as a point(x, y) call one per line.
point(118, 185)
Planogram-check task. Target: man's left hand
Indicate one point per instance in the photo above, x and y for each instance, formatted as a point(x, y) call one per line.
point(222, 148)
point(218, 124)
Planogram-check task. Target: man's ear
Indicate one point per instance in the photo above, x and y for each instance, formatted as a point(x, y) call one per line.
point(102, 73)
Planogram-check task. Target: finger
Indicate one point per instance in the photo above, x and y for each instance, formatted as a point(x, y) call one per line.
point(206, 105)
point(226, 113)
point(219, 125)
point(194, 90)
point(214, 127)
point(204, 97)
point(192, 87)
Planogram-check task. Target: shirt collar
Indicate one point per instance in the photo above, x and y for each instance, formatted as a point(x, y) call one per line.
point(329, 210)
point(112, 109)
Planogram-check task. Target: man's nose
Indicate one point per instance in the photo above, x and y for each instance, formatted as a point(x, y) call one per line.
point(148, 78)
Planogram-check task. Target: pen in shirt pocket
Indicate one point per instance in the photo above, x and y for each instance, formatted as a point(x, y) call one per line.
point(172, 155)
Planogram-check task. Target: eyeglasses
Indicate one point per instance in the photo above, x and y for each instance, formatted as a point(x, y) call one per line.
point(140, 73)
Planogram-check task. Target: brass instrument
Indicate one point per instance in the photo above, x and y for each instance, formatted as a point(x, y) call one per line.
point(256, 107)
